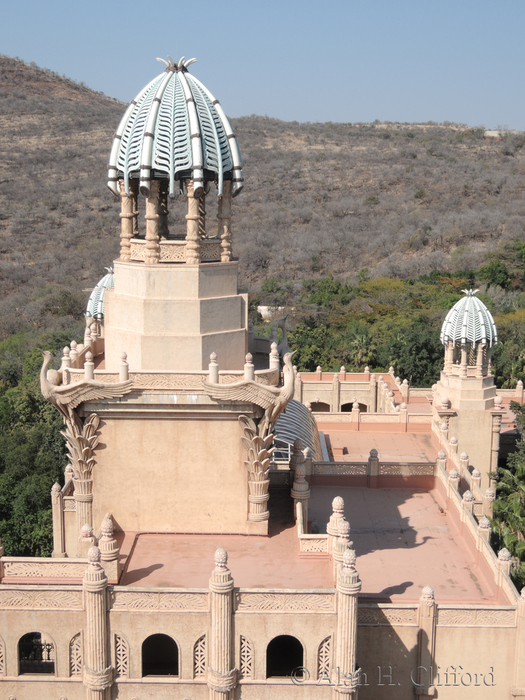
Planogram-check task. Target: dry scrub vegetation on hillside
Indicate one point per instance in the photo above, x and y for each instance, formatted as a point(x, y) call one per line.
point(396, 199)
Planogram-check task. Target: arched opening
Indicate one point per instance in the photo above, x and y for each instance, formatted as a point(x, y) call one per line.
point(160, 656)
point(347, 407)
point(320, 407)
point(36, 654)
point(284, 654)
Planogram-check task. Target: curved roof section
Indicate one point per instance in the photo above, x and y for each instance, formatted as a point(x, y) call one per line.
point(298, 422)
point(95, 305)
point(175, 129)
point(469, 321)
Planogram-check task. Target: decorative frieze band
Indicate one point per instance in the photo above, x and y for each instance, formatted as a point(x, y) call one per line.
point(285, 602)
point(161, 600)
point(476, 617)
point(62, 599)
point(44, 569)
point(378, 616)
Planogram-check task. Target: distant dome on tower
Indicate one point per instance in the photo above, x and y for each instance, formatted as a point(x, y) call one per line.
point(469, 321)
point(175, 129)
point(95, 305)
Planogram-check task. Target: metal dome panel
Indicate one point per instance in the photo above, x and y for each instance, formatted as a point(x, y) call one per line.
point(95, 305)
point(175, 128)
point(469, 321)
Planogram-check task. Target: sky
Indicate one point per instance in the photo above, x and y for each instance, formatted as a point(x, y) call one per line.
point(331, 60)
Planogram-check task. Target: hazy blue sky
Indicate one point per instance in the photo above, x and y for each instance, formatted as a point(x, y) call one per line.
point(345, 61)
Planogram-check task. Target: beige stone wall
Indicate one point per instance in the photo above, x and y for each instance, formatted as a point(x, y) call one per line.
point(172, 317)
point(175, 473)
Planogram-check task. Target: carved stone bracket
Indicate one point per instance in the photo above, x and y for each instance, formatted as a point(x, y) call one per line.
point(258, 466)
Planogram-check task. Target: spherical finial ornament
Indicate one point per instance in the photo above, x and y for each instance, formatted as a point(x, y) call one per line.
point(463, 456)
point(453, 440)
point(344, 529)
point(86, 531)
point(490, 494)
point(107, 527)
point(427, 595)
point(249, 357)
point(221, 558)
point(504, 554)
point(403, 406)
point(123, 356)
point(453, 473)
point(441, 454)
point(349, 558)
point(89, 356)
point(468, 497)
point(484, 523)
point(445, 403)
point(338, 505)
point(373, 452)
point(94, 555)
point(476, 473)
point(55, 489)
point(498, 402)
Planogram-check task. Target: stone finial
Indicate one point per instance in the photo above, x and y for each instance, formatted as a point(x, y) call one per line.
point(338, 505)
point(308, 453)
point(390, 394)
point(274, 350)
point(476, 474)
point(298, 445)
point(68, 472)
point(453, 473)
point(490, 494)
point(453, 440)
point(405, 382)
point(344, 530)
point(367, 370)
point(249, 357)
point(504, 554)
point(318, 370)
point(93, 555)
point(380, 378)
point(123, 356)
point(373, 453)
point(89, 356)
point(391, 371)
point(445, 403)
point(107, 528)
point(427, 596)
point(355, 405)
point(213, 357)
point(349, 559)
point(221, 558)
point(308, 406)
point(498, 403)
point(441, 454)
point(468, 497)
point(55, 489)
point(86, 530)
point(444, 427)
point(403, 406)
point(463, 456)
point(484, 523)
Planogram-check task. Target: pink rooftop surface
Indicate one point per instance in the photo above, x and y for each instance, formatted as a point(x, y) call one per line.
point(403, 543)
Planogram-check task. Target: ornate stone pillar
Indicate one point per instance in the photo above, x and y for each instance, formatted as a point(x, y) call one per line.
point(340, 545)
point(426, 639)
point(98, 674)
point(464, 362)
point(332, 528)
point(127, 218)
point(224, 217)
point(300, 488)
point(222, 675)
point(258, 466)
point(479, 360)
point(336, 394)
point(373, 393)
point(83, 501)
point(59, 545)
point(345, 676)
point(496, 430)
point(152, 225)
point(193, 248)
point(202, 215)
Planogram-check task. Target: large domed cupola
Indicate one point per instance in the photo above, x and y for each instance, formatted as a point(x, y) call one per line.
point(468, 334)
point(175, 138)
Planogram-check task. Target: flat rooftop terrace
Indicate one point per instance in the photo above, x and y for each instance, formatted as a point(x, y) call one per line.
point(402, 539)
point(392, 447)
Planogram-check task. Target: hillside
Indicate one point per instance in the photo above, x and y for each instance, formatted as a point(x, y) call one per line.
point(397, 199)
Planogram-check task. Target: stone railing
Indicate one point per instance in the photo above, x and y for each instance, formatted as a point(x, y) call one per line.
point(151, 379)
point(356, 418)
point(41, 597)
point(174, 250)
point(15, 568)
point(371, 468)
point(309, 544)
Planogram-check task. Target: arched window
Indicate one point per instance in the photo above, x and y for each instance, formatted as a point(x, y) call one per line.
point(36, 654)
point(320, 407)
point(160, 656)
point(284, 654)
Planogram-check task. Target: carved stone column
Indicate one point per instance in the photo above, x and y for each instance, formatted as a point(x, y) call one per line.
point(59, 545)
point(426, 639)
point(98, 674)
point(340, 545)
point(345, 677)
point(127, 217)
point(193, 248)
point(202, 216)
point(300, 488)
point(222, 675)
point(83, 501)
point(332, 528)
point(224, 217)
point(336, 394)
point(258, 466)
point(496, 430)
point(152, 225)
